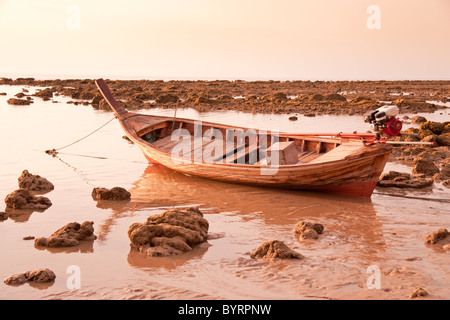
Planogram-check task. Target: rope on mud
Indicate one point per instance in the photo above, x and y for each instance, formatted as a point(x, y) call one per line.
point(55, 151)
point(75, 169)
point(411, 197)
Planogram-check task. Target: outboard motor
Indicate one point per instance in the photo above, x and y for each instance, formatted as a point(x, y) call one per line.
point(383, 120)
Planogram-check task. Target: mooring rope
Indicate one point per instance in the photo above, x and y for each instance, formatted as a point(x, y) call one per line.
point(75, 169)
point(55, 151)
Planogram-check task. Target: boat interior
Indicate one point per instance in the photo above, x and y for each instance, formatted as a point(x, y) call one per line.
point(240, 145)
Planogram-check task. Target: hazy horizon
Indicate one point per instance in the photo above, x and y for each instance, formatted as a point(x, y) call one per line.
point(226, 40)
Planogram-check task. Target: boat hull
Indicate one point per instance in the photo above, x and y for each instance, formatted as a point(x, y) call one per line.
point(356, 176)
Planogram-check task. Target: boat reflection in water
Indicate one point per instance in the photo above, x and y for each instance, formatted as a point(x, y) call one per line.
point(241, 217)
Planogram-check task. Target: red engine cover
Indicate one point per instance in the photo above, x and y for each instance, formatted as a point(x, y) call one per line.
point(393, 127)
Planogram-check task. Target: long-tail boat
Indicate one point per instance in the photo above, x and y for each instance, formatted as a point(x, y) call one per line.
point(332, 162)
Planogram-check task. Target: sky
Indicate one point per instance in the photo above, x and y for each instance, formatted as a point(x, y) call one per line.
point(226, 39)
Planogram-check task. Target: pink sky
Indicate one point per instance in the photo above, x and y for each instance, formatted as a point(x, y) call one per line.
point(226, 39)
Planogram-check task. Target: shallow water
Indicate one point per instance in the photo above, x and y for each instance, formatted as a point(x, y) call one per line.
point(382, 231)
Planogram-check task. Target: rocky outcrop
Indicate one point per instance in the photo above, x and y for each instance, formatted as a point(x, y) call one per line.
point(404, 180)
point(437, 236)
point(116, 193)
point(18, 102)
point(45, 94)
point(68, 236)
point(443, 139)
point(425, 166)
point(418, 292)
point(33, 182)
point(39, 276)
point(167, 98)
point(308, 230)
point(275, 249)
point(170, 233)
point(24, 199)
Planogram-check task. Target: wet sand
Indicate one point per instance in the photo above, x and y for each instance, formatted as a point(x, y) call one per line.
point(384, 231)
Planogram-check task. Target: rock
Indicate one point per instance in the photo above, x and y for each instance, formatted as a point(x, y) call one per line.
point(293, 118)
point(315, 97)
point(16, 279)
point(443, 175)
point(429, 138)
point(24, 199)
point(391, 175)
point(435, 127)
point(275, 249)
point(417, 183)
point(309, 234)
point(68, 236)
point(278, 96)
point(40, 276)
point(425, 166)
point(418, 292)
point(226, 97)
point(418, 119)
point(335, 97)
point(33, 182)
point(116, 193)
point(167, 98)
point(170, 233)
point(443, 139)
point(436, 236)
point(3, 216)
point(303, 226)
point(18, 102)
point(45, 94)
point(96, 100)
point(403, 180)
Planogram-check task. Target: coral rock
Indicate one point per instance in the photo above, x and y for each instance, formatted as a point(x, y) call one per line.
point(116, 193)
point(425, 166)
point(275, 249)
point(34, 182)
point(18, 102)
point(308, 230)
point(40, 276)
point(23, 199)
point(419, 292)
point(437, 236)
point(68, 236)
point(403, 180)
point(172, 232)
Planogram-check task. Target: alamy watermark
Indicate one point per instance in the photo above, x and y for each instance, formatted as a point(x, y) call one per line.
point(73, 282)
point(374, 280)
point(374, 20)
point(73, 21)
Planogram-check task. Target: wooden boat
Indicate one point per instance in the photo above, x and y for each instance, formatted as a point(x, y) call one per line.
point(342, 163)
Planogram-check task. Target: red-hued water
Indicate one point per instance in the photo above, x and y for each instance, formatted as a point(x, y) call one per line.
point(383, 231)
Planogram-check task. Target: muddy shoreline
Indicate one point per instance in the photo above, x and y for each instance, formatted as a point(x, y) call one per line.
point(302, 97)
point(388, 232)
